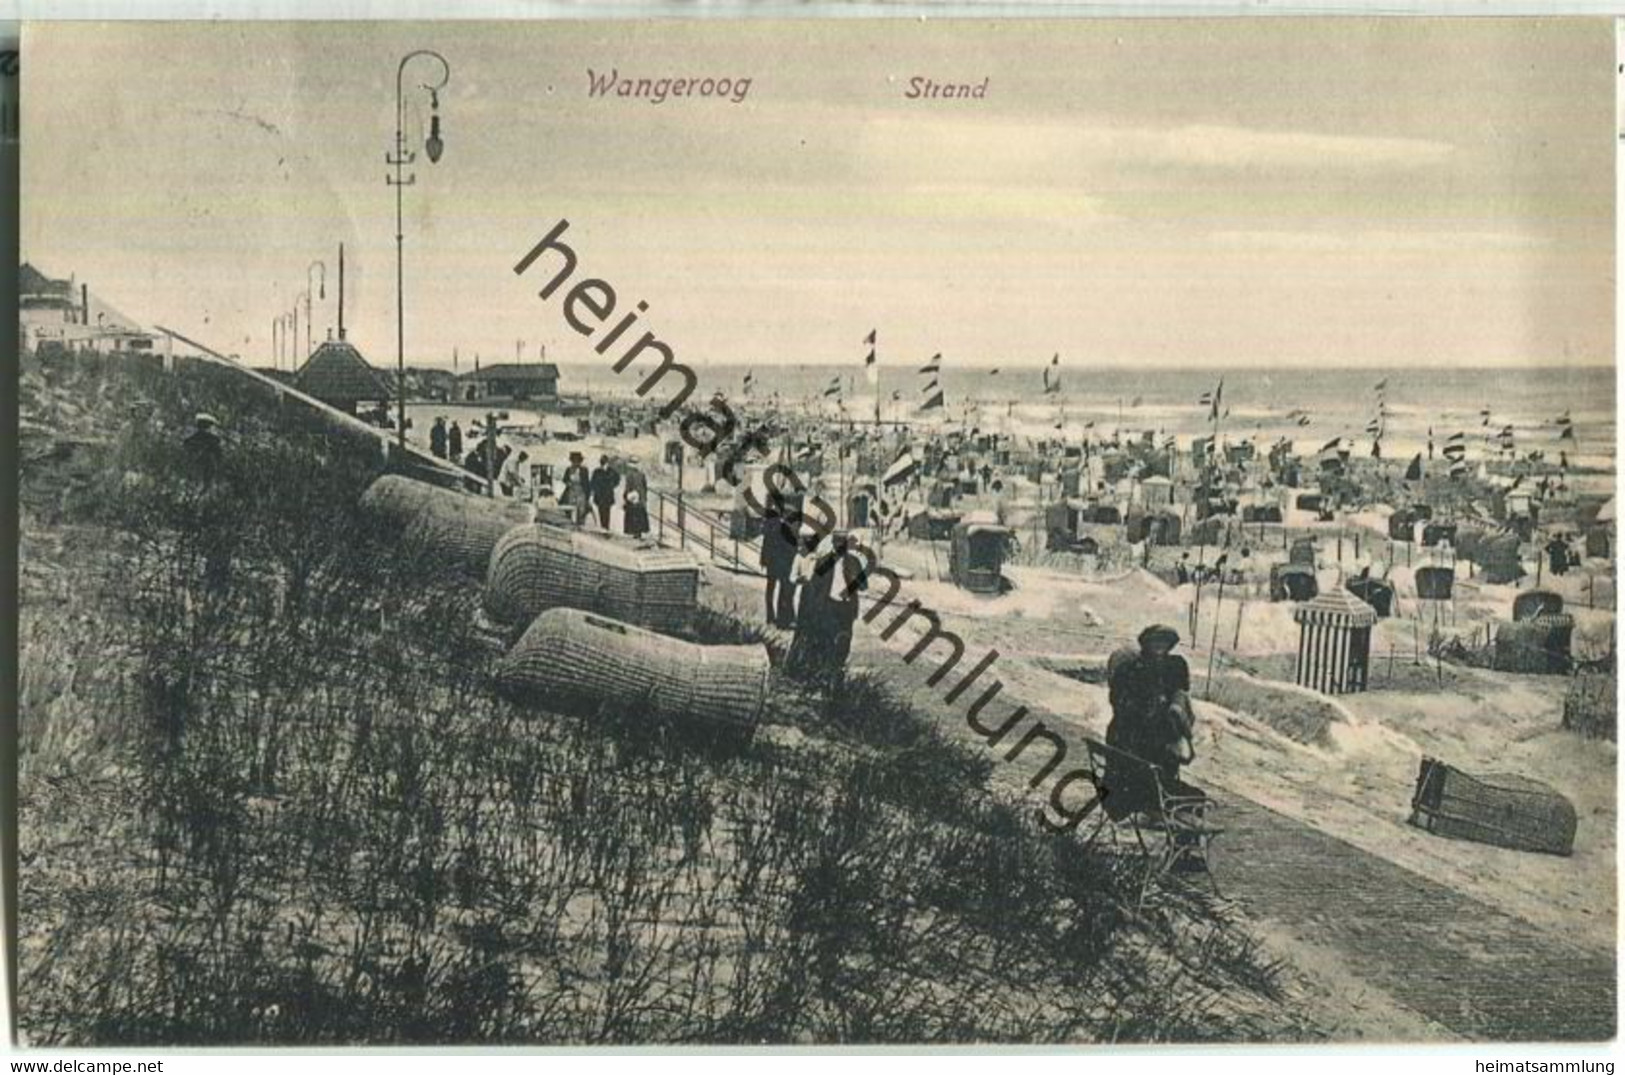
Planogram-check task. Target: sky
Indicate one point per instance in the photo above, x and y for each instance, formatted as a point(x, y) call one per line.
point(1175, 193)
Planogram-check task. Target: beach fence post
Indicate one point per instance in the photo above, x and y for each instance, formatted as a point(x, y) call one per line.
point(1213, 648)
point(682, 526)
point(490, 451)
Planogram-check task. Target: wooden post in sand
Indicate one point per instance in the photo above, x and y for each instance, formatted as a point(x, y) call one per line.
point(491, 453)
point(1213, 649)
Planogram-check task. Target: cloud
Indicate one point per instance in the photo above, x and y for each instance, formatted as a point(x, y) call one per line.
point(1374, 241)
point(1247, 148)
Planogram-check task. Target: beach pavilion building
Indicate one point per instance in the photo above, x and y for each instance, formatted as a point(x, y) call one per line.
point(535, 383)
point(337, 375)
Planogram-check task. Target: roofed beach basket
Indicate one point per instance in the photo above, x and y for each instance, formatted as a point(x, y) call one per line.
point(1469, 540)
point(1540, 645)
point(1293, 582)
point(1334, 642)
point(1503, 809)
point(536, 568)
point(580, 658)
point(1434, 583)
point(1498, 558)
point(1436, 533)
point(455, 527)
point(1532, 603)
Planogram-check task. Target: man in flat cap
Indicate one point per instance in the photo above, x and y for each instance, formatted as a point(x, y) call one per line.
point(1151, 716)
point(203, 447)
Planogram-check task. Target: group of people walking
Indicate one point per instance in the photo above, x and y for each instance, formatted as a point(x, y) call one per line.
point(584, 492)
point(592, 493)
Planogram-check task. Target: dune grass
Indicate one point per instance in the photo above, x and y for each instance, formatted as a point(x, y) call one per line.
point(290, 807)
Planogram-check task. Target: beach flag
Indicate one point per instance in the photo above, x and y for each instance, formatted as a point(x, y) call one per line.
point(933, 398)
point(1484, 416)
point(749, 382)
point(901, 470)
point(871, 366)
point(1374, 427)
point(1458, 469)
point(933, 366)
point(1413, 473)
point(1211, 401)
point(834, 388)
point(1052, 377)
point(1380, 386)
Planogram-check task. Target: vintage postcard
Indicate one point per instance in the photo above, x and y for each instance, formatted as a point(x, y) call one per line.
point(824, 532)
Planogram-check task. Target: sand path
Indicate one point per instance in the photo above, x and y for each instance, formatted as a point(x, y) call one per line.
point(1392, 954)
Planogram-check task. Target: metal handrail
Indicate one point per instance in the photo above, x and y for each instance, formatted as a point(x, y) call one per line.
point(705, 538)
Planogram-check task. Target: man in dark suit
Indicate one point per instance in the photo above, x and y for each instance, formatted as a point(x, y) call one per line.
point(604, 482)
point(779, 548)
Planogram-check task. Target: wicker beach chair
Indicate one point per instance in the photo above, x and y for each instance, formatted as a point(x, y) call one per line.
point(458, 527)
point(536, 568)
point(1503, 809)
point(577, 658)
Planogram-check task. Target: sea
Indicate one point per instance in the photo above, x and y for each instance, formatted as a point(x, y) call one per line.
point(1308, 406)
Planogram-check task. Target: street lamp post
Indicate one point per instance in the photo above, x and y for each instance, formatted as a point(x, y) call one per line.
point(293, 346)
point(321, 288)
point(433, 146)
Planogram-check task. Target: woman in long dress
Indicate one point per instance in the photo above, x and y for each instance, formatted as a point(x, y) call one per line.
point(826, 616)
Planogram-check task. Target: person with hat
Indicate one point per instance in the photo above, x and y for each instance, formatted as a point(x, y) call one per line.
point(437, 437)
point(1151, 718)
point(573, 493)
point(203, 446)
point(780, 548)
point(214, 531)
point(634, 501)
point(833, 575)
point(604, 480)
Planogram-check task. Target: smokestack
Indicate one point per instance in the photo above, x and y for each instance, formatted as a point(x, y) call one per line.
point(84, 304)
point(341, 291)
